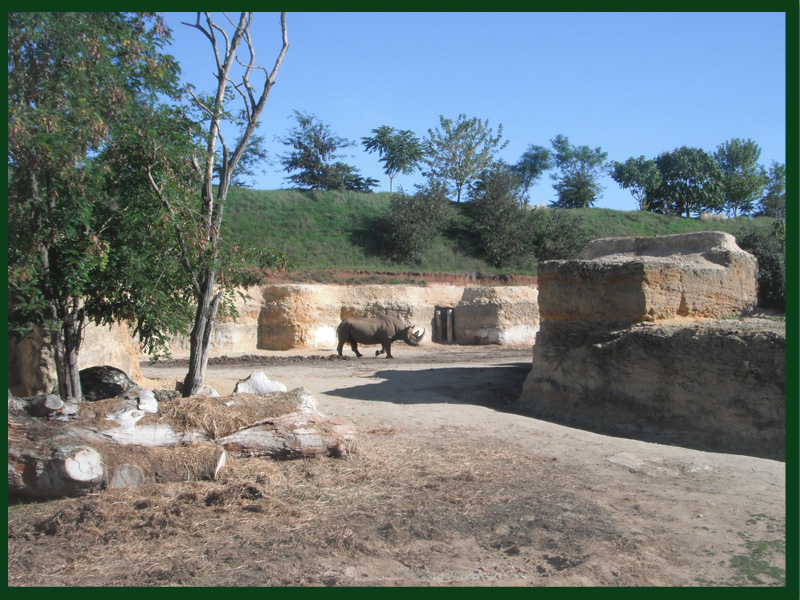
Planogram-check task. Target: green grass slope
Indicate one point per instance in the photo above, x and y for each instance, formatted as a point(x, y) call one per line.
point(335, 230)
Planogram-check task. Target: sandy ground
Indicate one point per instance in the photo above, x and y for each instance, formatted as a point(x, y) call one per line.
point(449, 487)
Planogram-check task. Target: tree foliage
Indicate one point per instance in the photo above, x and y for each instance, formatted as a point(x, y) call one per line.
point(743, 178)
point(73, 80)
point(531, 166)
point(515, 237)
point(313, 158)
point(770, 252)
point(639, 175)
point(691, 182)
point(413, 222)
point(773, 203)
point(498, 220)
point(253, 163)
point(579, 167)
point(457, 151)
point(399, 151)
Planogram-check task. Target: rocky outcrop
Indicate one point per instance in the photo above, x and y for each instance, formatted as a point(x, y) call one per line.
point(31, 365)
point(626, 346)
point(104, 381)
point(630, 280)
point(305, 315)
point(716, 385)
point(497, 315)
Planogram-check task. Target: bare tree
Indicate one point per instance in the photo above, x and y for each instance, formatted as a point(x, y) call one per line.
point(207, 238)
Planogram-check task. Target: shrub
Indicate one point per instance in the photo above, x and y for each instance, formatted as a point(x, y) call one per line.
point(413, 222)
point(769, 248)
point(515, 237)
point(555, 234)
point(498, 220)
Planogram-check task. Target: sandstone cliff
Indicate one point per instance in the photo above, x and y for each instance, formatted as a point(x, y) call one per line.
point(288, 316)
point(628, 280)
point(716, 385)
point(634, 340)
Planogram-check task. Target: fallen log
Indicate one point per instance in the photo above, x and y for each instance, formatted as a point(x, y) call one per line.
point(119, 442)
point(296, 435)
point(54, 460)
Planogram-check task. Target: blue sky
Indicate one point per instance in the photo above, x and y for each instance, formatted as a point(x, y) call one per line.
point(631, 83)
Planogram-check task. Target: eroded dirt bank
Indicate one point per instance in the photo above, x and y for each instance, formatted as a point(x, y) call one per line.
point(449, 488)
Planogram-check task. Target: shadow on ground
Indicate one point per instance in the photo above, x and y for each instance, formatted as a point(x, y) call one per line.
point(497, 387)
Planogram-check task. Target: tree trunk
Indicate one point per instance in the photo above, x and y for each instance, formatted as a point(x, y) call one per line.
point(200, 339)
point(47, 460)
point(66, 328)
point(295, 435)
point(110, 443)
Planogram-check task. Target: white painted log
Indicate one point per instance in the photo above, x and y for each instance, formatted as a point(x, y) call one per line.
point(297, 435)
point(154, 434)
point(51, 459)
point(258, 383)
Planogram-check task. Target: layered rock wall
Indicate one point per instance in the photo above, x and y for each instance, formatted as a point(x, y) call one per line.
point(493, 315)
point(31, 365)
point(306, 316)
point(288, 316)
point(630, 280)
point(636, 339)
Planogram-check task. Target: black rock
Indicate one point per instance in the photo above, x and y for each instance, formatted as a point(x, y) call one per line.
point(98, 383)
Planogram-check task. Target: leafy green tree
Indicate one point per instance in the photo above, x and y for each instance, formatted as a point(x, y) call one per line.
point(150, 282)
point(691, 182)
point(770, 252)
point(412, 222)
point(579, 167)
point(457, 152)
point(399, 151)
point(556, 234)
point(514, 237)
point(313, 158)
point(531, 166)
point(73, 79)
point(497, 218)
point(197, 219)
point(773, 203)
point(743, 179)
point(639, 175)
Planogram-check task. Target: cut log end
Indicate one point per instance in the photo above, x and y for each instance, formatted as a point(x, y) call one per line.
point(83, 464)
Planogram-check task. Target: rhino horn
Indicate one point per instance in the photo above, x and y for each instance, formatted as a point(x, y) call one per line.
point(419, 333)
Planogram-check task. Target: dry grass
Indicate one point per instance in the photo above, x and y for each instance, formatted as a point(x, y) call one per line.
point(259, 512)
point(220, 416)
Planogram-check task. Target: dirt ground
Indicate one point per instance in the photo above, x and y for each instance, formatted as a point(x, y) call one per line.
point(449, 487)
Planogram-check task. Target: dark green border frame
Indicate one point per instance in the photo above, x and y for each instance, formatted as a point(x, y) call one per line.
point(791, 8)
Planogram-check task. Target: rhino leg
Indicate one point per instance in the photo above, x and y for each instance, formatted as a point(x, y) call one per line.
point(354, 346)
point(387, 348)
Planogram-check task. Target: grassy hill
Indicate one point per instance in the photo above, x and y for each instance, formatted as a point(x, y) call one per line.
point(335, 230)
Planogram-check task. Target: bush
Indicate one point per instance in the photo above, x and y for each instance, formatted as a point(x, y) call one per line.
point(512, 237)
point(413, 222)
point(769, 248)
point(556, 234)
point(498, 220)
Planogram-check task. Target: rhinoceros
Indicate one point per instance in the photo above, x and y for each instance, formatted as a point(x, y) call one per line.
point(381, 330)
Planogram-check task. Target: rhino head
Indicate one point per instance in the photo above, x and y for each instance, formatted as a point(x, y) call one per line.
point(412, 335)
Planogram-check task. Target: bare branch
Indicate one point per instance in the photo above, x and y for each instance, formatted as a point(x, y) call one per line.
point(199, 102)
